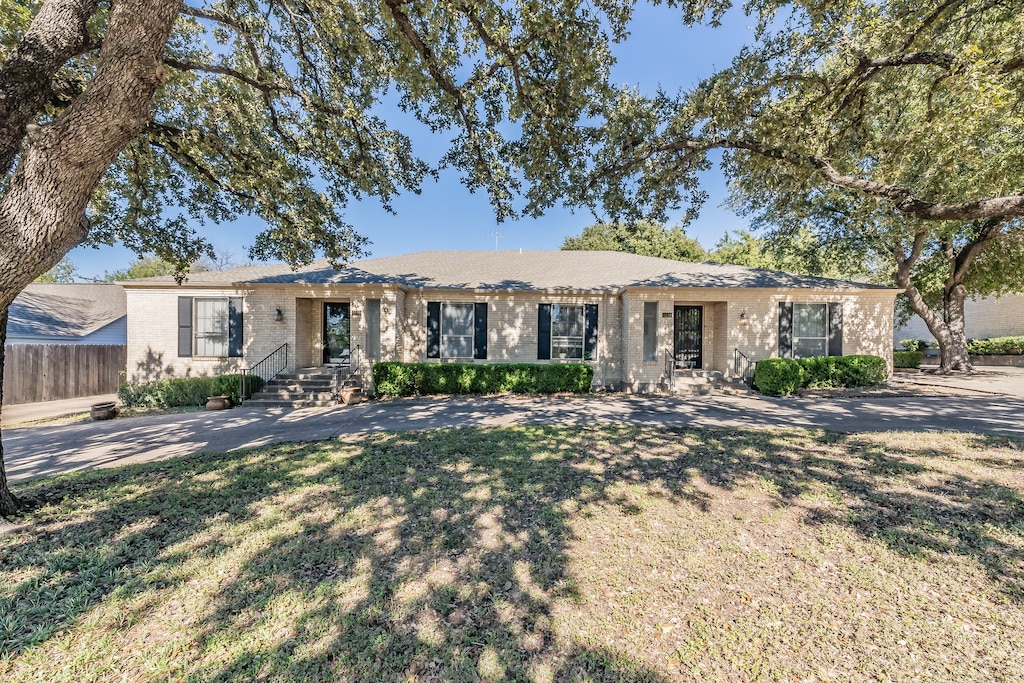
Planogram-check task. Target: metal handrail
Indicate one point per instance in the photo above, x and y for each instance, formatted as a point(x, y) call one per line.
point(670, 363)
point(749, 366)
point(267, 369)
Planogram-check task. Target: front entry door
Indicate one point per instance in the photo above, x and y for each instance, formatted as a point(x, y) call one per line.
point(337, 325)
point(689, 325)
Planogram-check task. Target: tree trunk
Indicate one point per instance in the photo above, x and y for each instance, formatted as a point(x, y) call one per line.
point(9, 504)
point(948, 329)
point(60, 163)
point(953, 355)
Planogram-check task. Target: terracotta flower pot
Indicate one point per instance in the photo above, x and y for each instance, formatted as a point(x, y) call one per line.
point(103, 411)
point(218, 402)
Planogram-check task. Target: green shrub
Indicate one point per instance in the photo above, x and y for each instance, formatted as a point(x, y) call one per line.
point(185, 391)
point(229, 385)
point(907, 359)
point(996, 346)
point(420, 379)
point(914, 344)
point(785, 376)
point(778, 376)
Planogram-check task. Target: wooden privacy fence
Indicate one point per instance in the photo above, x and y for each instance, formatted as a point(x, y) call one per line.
point(48, 372)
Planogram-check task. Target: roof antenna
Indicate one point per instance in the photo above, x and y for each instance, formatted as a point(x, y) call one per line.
point(497, 235)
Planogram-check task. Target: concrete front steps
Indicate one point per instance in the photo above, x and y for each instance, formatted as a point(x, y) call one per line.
point(706, 383)
point(303, 388)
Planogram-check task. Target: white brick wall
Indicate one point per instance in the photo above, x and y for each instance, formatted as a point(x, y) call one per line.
point(990, 317)
point(512, 326)
point(153, 336)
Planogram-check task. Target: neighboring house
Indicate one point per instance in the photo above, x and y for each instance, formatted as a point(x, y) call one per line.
point(624, 314)
point(65, 341)
point(984, 318)
point(48, 313)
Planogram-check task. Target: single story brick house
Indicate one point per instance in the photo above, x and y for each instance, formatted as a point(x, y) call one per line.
point(628, 316)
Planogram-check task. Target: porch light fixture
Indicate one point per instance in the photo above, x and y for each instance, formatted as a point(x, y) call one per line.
point(743, 314)
point(278, 315)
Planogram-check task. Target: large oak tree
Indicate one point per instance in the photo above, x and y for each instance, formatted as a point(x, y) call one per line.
point(894, 125)
point(135, 121)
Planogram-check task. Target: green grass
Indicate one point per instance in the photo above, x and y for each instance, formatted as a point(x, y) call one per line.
point(535, 554)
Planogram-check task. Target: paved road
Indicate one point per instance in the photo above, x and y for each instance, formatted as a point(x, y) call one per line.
point(36, 451)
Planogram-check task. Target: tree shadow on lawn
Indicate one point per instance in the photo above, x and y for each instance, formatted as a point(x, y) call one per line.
point(436, 555)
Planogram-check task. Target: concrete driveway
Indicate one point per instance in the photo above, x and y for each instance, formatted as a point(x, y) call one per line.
point(993, 379)
point(37, 451)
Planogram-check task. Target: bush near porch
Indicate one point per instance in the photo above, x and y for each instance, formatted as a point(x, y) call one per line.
point(996, 346)
point(907, 359)
point(421, 379)
point(785, 376)
point(184, 391)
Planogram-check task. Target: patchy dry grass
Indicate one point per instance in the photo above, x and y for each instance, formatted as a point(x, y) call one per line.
point(535, 553)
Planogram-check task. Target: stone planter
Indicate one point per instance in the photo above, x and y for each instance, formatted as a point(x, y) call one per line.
point(351, 395)
point(218, 402)
point(103, 411)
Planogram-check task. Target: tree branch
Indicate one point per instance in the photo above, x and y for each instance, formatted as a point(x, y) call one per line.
point(901, 199)
point(58, 33)
point(442, 80)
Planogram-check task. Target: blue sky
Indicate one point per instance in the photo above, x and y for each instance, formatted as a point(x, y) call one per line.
point(659, 52)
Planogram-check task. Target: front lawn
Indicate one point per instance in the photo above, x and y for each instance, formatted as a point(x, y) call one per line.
point(534, 553)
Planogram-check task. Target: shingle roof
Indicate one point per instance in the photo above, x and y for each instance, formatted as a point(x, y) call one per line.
point(515, 270)
point(65, 310)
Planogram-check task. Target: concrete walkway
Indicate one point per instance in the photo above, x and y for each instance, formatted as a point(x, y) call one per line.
point(993, 379)
point(43, 450)
point(45, 410)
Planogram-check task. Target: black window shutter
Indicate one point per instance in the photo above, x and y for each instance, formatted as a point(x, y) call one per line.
point(590, 340)
point(480, 331)
point(544, 332)
point(785, 329)
point(835, 329)
point(184, 326)
point(235, 330)
point(433, 329)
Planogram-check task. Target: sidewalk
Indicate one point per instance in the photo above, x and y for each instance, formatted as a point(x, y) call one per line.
point(992, 379)
point(44, 410)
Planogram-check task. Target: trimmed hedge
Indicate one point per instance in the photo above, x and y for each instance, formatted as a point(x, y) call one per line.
point(785, 376)
point(778, 376)
point(907, 359)
point(915, 345)
point(420, 379)
point(993, 346)
point(996, 346)
point(184, 391)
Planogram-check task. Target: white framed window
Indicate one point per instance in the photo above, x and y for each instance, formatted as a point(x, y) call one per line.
point(567, 330)
point(457, 324)
point(810, 330)
point(210, 327)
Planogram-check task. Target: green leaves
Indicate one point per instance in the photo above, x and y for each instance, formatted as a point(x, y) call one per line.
point(644, 238)
point(289, 110)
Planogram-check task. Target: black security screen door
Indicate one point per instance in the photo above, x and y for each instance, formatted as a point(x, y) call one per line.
point(336, 333)
point(689, 324)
